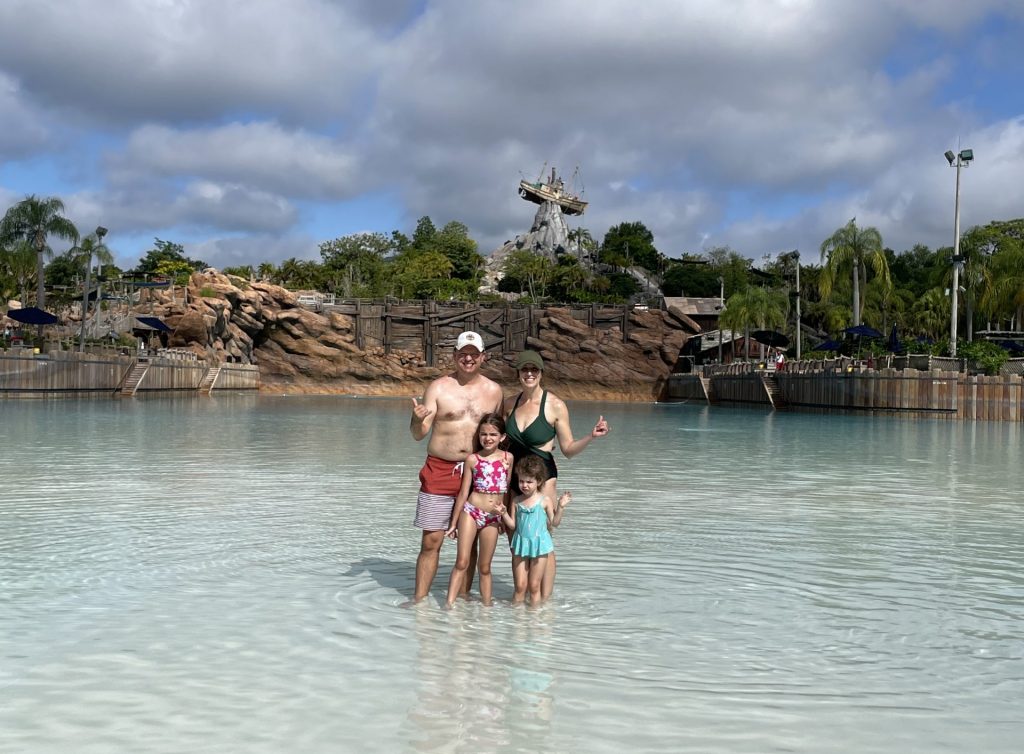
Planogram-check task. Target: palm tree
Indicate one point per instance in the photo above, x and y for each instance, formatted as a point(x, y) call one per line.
point(930, 314)
point(91, 246)
point(19, 261)
point(762, 308)
point(33, 220)
point(857, 248)
point(1003, 295)
point(266, 271)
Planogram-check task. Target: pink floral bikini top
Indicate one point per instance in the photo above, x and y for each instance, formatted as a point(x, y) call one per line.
point(491, 477)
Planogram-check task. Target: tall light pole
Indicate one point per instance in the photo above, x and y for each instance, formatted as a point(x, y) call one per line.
point(959, 160)
point(795, 256)
point(100, 233)
point(721, 308)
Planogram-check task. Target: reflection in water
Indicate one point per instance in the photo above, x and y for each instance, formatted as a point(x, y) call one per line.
point(224, 575)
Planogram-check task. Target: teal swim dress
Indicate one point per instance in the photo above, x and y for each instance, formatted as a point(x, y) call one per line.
point(531, 538)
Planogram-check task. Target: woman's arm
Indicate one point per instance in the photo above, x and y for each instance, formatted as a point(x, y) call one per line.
point(563, 429)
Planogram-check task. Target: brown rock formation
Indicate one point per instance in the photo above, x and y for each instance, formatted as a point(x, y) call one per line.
point(227, 319)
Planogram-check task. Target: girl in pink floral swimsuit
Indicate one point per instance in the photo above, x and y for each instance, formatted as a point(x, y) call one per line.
point(478, 506)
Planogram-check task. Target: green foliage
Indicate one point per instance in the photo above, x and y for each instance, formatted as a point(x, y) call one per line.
point(621, 286)
point(989, 356)
point(18, 269)
point(244, 271)
point(629, 244)
point(33, 221)
point(531, 271)
point(354, 265)
point(208, 292)
point(172, 256)
point(853, 249)
point(691, 277)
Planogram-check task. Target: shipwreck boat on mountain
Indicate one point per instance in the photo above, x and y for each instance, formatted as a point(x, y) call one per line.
point(552, 190)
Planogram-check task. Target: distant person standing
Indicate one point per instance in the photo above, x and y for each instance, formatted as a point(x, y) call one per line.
point(780, 361)
point(450, 412)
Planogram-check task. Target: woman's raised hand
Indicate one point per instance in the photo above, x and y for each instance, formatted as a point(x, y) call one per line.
point(601, 428)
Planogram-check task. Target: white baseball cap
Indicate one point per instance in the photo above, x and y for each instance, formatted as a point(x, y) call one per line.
point(470, 338)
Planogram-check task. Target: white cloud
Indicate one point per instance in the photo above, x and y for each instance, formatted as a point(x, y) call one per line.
point(292, 162)
point(762, 124)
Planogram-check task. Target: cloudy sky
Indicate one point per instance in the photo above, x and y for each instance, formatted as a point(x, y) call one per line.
point(251, 131)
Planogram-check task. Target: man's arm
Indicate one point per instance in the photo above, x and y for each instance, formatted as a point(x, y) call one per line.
point(423, 411)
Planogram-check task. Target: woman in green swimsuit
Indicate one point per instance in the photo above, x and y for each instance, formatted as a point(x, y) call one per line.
point(534, 419)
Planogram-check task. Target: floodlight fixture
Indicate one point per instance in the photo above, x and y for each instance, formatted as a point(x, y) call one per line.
point(966, 155)
point(950, 156)
point(100, 232)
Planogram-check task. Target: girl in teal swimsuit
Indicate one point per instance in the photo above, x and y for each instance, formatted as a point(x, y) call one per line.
point(531, 541)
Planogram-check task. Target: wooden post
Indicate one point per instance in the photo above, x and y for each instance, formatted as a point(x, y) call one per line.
point(387, 327)
point(506, 337)
point(625, 323)
point(359, 326)
point(430, 333)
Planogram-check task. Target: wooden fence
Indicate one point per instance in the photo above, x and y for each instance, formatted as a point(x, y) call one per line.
point(26, 374)
point(22, 372)
point(238, 377)
point(947, 395)
point(429, 328)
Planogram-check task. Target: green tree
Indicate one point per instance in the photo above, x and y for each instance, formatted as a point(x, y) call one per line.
point(354, 264)
point(629, 244)
point(18, 265)
point(424, 235)
point(423, 275)
point(731, 266)
point(454, 242)
point(568, 279)
point(1003, 296)
point(166, 251)
point(299, 274)
point(855, 249)
point(692, 275)
point(241, 271)
point(267, 271)
point(34, 220)
point(532, 271)
point(756, 307)
point(929, 315)
point(89, 250)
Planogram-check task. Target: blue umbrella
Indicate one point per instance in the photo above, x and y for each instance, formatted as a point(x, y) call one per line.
point(32, 316)
point(894, 344)
point(828, 345)
point(1012, 347)
point(864, 330)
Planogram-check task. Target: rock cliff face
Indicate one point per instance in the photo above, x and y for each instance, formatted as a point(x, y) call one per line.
point(300, 351)
point(548, 237)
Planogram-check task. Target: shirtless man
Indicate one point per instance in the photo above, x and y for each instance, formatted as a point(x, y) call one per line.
point(449, 412)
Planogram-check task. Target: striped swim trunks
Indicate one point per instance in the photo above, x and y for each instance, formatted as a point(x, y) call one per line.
point(440, 481)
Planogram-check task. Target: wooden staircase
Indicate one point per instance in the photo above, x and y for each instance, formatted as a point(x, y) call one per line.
point(130, 386)
point(709, 390)
point(775, 396)
point(209, 379)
